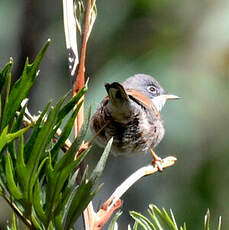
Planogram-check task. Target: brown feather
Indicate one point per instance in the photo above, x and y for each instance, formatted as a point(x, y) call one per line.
point(143, 100)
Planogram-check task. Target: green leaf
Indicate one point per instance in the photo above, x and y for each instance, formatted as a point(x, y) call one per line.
point(36, 130)
point(58, 223)
point(69, 201)
point(173, 218)
point(20, 155)
point(4, 74)
point(11, 147)
point(219, 225)
point(36, 224)
point(143, 221)
point(135, 227)
point(3, 138)
point(14, 222)
point(12, 144)
point(163, 217)
point(40, 55)
point(21, 170)
point(79, 202)
point(102, 162)
point(114, 220)
point(11, 184)
point(40, 167)
point(7, 89)
point(19, 120)
point(207, 220)
point(84, 194)
point(72, 179)
point(43, 138)
point(184, 227)
point(6, 138)
point(71, 104)
point(37, 203)
point(56, 181)
point(65, 133)
point(61, 203)
point(12, 136)
point(67, 193)
point(2, 176)
point(21, 88)
point(42, 133)
point(70, 154)
point(0, 107)
point(162, 221)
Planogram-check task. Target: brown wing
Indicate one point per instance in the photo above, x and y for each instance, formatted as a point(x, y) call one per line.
point(143, 100)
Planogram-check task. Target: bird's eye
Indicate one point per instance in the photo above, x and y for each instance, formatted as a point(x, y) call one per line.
point(152, 89)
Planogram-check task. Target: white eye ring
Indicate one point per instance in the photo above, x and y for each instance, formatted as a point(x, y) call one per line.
point(152, 89)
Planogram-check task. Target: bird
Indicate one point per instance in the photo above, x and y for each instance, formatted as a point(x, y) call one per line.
point(130, 113)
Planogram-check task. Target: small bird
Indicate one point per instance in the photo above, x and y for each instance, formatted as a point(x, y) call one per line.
point(130, 113)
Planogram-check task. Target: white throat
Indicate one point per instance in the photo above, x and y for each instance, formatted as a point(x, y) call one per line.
point(159, 102)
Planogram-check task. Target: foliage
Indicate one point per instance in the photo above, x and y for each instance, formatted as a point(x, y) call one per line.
point(36, 179)
point(79, 12)
point(159, 220)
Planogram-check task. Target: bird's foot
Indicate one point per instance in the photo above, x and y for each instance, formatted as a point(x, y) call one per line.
point(157, 161)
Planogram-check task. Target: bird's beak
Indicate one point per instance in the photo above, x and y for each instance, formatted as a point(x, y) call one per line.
point(171, 97)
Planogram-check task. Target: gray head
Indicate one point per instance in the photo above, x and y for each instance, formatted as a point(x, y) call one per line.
point(150, 87)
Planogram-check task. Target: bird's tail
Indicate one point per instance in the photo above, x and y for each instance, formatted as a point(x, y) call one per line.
point(119, 105)
point(116, 93)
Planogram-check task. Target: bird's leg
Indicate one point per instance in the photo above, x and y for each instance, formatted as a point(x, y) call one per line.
point(157, 161)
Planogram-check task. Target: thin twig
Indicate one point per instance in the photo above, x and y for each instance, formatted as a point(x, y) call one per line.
point(26, 221)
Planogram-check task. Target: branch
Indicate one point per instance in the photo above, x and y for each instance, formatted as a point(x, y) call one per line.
point(114, 202)
point(80, 76)
point(137, 175)
point(79, 81)
point(17, 211)
point(92, 220)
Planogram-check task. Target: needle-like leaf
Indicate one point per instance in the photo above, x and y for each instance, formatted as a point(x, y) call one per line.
point(21, 88)
point(4, 74)
point(11, 184)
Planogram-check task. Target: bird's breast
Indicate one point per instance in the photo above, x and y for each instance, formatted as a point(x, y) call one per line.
point(143, 131)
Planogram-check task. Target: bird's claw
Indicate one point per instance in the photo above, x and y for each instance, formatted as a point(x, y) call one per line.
point(157, 161)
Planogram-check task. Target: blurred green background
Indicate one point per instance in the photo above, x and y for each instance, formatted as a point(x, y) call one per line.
point(185, 45)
